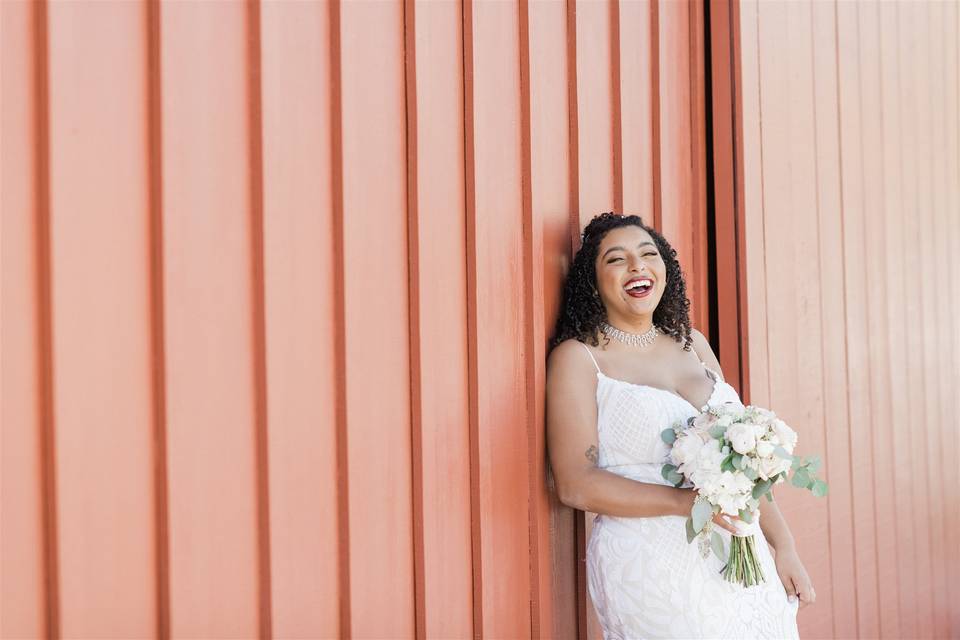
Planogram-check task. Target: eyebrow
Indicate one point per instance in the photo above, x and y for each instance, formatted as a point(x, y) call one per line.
point(622, 249)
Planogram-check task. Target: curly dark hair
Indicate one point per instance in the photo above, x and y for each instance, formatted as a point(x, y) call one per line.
point(582, 311)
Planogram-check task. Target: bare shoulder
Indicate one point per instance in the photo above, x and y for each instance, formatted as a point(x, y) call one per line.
point(704, 351)
point(569, 359)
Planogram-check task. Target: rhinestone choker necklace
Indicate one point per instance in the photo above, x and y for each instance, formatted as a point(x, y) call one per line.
point(636, 339)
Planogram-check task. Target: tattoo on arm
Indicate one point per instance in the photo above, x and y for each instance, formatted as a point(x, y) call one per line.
point(592, 454)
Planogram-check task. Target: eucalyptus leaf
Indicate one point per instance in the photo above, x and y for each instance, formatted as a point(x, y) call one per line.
point(761, 487)
point(796, 462)
point(665, 471)
point(691, 534)
point(769, 497)
point(801, 478)
point(751, 473)
point(716, 543)
point(738, 461)
point(813, 464)
point(746, 516)
point(676, 478)
point(819, 488)
point(702, 512)
point(727, 464)
point(668, 435)
point(718, 431)
point(781, 452)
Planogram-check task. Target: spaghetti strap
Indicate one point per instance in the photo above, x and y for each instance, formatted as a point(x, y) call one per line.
point(591, 357)
point(715, 374)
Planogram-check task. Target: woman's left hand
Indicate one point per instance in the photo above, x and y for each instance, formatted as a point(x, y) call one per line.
point(794, 577)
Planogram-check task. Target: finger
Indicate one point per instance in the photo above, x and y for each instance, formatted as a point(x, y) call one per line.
point(791, 591)
point(723, 522)
point(807, 595)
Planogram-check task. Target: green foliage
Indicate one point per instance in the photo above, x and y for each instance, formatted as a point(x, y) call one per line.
point(668, 435)
point(761, 488)
point(819, 488)
point(801, 478)
point(716, 543)
point(671, 475)
point(702, 512)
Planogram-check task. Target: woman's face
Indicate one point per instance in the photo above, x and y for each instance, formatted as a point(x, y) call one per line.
point(631, 273)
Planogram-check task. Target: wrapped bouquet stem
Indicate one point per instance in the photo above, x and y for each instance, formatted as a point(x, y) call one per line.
point(733, 456)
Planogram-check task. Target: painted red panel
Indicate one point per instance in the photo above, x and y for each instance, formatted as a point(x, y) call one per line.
point(377, 375)
point(208, 319)
point(299, 283)
point(874, 235)
point(794, 313)
point(22, 598)
point(929, 157)
point(101, 319)
point(636, 108)
point(495, 261)
point(435, 130)
point(676, 138)
point(910, 38)
point(551, 220)
point(594, 109)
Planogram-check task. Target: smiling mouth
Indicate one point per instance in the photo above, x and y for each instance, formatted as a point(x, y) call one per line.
point(639, 288)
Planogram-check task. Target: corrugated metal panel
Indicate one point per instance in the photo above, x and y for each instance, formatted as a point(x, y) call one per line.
point(852, 184)
point(278, 280)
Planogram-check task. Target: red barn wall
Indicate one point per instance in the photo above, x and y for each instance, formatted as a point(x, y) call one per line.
point(852, 203)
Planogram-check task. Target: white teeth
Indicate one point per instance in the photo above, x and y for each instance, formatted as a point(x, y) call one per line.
point(638, 283)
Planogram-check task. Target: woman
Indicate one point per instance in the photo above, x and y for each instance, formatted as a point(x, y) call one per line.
point(620, 371)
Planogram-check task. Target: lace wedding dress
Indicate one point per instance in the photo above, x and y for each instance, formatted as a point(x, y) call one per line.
point(645, 580)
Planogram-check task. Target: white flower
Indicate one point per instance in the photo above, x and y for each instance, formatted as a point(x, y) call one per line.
point(686, 448)
point(742, 437)
point(770, 467)
point(786, 435)
point(764, 448)
point(710, 456)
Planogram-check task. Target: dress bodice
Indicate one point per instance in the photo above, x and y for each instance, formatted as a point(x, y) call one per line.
point(630, 418)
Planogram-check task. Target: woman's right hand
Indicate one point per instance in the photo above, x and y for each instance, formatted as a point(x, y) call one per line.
point(721, 519)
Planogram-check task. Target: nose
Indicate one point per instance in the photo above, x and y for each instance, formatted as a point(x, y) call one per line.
point(638, 265)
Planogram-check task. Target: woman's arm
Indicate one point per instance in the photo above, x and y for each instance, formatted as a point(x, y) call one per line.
point(572, 445)
point(774, 526)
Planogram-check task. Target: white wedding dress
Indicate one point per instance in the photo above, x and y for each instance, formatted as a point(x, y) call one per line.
point(645, 580)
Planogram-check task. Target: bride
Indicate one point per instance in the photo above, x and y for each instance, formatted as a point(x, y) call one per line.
point(620, 371)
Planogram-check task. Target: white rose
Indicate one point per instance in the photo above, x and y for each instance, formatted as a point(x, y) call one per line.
point(764, 448)
point(742, 438)
point(770, 467)
point(686, 448)
point(710, 456)
point(786, 435)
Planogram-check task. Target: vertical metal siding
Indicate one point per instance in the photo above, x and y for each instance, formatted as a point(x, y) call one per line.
point(278, 279)
point(854, 328)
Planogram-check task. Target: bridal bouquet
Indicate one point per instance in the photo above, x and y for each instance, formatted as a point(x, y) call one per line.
point(733, 455)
